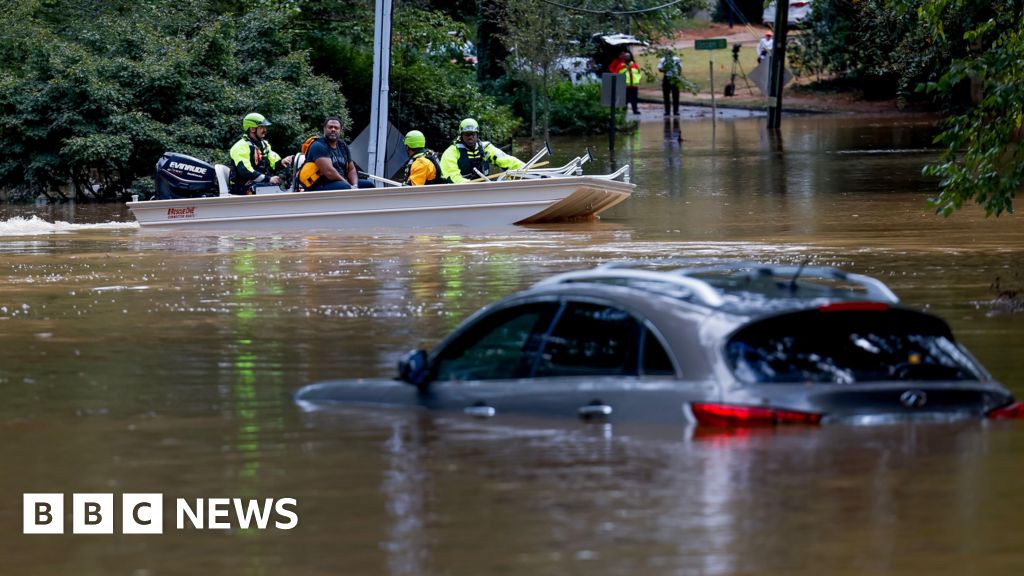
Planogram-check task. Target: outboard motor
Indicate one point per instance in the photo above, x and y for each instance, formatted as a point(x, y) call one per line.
point(182, 176)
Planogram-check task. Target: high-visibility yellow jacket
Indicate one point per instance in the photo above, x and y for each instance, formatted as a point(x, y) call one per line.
point(457, 162)
point(632, 73)
point(251, 161)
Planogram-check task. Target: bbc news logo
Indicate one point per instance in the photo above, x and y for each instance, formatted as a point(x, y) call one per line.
point(43, 513)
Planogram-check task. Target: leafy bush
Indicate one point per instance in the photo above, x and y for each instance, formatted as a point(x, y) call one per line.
point(577, 109)
point(427, 92)
point(98, 98)
point(883, 47)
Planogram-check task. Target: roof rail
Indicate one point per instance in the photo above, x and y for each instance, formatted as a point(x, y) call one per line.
point(875, 288)
point(700, 289)
point(705, 292)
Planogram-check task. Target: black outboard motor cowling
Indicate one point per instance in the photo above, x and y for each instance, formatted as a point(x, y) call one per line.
point(182, 176)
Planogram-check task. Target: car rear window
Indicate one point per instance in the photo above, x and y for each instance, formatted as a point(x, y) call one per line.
point(847, 347)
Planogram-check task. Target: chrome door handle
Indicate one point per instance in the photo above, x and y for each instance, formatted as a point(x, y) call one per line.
point(596, 409)
point(480, 410)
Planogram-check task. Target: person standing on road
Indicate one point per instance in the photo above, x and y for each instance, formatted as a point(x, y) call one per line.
point(764, 47)
point(672, 69)
point(631, 72)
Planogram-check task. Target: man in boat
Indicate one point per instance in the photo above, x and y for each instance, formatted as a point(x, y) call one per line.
point(423, 166)
point(469, 152)
point(329, 164)
point(252, 159)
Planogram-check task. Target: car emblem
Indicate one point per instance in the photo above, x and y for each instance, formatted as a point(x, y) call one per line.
point(914, 398)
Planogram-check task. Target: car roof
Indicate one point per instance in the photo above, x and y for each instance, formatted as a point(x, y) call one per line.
point(739, 288)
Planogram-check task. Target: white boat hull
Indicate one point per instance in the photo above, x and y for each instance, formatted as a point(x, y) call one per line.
point(473, 205)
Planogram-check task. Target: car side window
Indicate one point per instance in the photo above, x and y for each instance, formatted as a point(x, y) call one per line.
point(655, 359)
point(501, 345)
point(591, 339)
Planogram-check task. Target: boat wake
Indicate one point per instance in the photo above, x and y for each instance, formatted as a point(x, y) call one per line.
point(34, 225)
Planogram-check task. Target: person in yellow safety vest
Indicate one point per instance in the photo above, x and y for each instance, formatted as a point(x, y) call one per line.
point(632, 74)
point(252, 158)
point(423, 166)
point(468, 152)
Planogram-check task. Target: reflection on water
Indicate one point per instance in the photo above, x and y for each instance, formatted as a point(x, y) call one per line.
point(164, 362)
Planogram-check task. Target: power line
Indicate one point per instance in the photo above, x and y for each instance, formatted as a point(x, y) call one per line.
point(612, 12)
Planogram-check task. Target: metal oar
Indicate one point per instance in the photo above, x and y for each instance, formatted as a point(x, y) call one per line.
point(379, 179)
point(484, 177)
point(536, 157)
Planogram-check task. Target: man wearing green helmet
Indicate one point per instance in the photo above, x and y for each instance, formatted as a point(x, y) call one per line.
point(468, 152)
point(252, 158)
point(422, 167)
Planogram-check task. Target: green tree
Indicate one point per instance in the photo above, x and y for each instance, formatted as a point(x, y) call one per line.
point(984, 146)
point(542, 35)
point(94, 92)
point(428, 91)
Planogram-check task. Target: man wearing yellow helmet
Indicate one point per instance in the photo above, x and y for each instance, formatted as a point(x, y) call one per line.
point(422, 167)
point(468, 152)
point(252, 158)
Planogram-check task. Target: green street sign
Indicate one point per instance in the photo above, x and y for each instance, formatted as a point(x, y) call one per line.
point(709, 44)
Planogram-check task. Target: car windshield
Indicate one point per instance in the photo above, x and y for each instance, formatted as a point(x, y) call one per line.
point(847, 347)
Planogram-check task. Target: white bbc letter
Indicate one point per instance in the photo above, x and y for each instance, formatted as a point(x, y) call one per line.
point(253, 511)
point(218, 508)
point(142, 513)
point(92, 514)
point(282, 510)
point(196, 517)
point(42, 513)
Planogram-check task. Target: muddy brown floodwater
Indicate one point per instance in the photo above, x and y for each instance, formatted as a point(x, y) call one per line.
point(137, 362)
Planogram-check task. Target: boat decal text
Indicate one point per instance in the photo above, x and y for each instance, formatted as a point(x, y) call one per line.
point(188, 168)
point(187, 212)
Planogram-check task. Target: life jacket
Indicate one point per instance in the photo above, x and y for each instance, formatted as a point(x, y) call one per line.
point(240, 182)
point(429, 155)
point(308, 172)
point(470, 159)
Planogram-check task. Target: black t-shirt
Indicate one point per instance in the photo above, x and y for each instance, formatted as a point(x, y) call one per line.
point(340, 156)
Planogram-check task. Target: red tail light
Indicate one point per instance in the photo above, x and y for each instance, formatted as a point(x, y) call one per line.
point(1012, 411)
point(854, 306)
point(732, 415)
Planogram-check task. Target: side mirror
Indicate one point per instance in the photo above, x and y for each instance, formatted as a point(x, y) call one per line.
point(414, 367)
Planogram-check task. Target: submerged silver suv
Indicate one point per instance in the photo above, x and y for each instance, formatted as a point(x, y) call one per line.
point(732, 345)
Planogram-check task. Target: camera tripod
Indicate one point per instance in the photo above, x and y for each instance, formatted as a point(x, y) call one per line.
point(730, 88)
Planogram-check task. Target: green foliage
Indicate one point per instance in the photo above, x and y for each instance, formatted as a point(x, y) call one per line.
point(881, 47)
point(95, 92)
point(577, 109)
point(984, 146)
point(427, 91)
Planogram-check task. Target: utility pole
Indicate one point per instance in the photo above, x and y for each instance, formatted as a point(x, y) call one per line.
point(778, 63)
point(376, 150)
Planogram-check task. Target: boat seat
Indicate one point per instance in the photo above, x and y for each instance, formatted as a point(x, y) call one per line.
point(297, 161)
point(223, 175)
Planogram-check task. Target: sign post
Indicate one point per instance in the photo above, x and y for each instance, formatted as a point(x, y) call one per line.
point(711, 44)
point(613, 92)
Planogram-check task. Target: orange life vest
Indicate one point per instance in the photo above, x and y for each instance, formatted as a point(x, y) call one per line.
point(308, 173)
